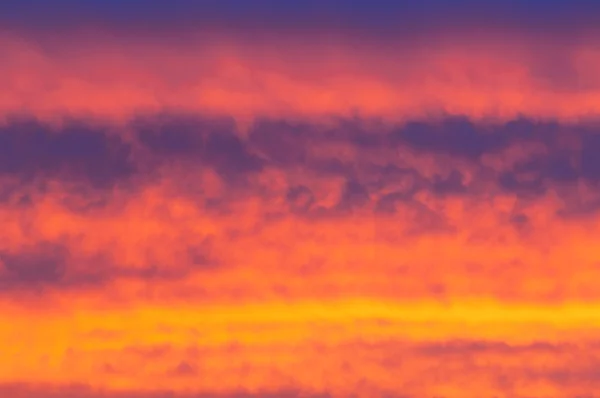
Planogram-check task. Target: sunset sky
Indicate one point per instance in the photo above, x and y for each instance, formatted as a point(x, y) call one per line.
point(253, 198)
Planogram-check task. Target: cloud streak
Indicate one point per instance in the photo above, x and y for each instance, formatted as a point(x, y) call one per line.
point(276, 76)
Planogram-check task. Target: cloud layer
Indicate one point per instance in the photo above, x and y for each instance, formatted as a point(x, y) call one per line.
point(107, 75)
point(299, 199)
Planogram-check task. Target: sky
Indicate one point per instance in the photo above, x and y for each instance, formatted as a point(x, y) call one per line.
point(299, 199)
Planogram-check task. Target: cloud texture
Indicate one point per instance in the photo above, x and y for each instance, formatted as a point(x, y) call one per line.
point(299, 199)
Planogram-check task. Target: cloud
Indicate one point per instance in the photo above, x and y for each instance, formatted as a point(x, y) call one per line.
point(300, 198)
point(308, 199)
point(76, 152)
point(261, 71)
point(353, 194)
point(44, 263)
point(461, 137)
point(214, 144)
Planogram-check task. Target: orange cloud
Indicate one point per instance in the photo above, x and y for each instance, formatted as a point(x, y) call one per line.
point(309, 77)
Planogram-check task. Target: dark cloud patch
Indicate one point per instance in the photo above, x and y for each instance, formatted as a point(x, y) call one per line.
point(409, 179)
point(555, 169)
point(590, 156)
point(381, 163)
point(75, 152)
point(212, 143)
point(450, 185)
point(457, 137)
point(577, 207)
point(332, 167)
point(44, 263)
point(387, 203)
point(359, 135)
point(185, 369)
point(558, 167)
point(82, 201)
point(283, 143)
point(460, 137)
point(522, 183)
point(50, 265)
point(582, 376)
point(423, 219)
point(230, 156)
point(175, 136)
point(354, 195)
point(78, 196)
point(550, 156)
point(470, 347)
point(519, 220)
point(201, 255)
point(418, 217)
point(292, 145)
point(410, 182)
point(13, 192)
point(300, 199)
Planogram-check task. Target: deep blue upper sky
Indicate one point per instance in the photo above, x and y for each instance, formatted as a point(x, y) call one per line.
point(542, 15)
